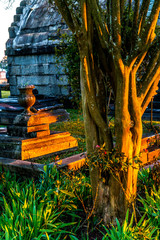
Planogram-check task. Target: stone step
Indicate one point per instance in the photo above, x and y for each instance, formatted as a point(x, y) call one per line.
point(68, 143)
point(22, 148)
point(149, 140)
point(31, 168)
point(150, 155)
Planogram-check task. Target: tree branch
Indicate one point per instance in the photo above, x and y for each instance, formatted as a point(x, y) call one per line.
point(142, 15)
point(92, 104)
point(122, 5)
point(66, 13)
point(135, 22)
point(149, 33)
point(102, 29)
point(116, 23)
point(149, 76)
point(150, 93)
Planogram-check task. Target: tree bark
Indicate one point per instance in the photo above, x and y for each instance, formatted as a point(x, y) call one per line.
point(104, 51)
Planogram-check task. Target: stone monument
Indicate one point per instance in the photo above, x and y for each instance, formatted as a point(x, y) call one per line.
point(29, 136)
point(30, 49)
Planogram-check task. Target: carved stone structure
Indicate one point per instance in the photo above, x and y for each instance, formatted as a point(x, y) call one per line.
point(29, 136)
point(33, 36)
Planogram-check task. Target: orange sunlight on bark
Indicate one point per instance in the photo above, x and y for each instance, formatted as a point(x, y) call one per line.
point(140, 26)
point(121, 64)
point(100, 30)
point(92, 60)
point(107, 28)
point(86, 70)
point(85, 16)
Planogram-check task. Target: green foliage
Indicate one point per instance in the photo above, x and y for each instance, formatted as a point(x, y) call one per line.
point(128, 231)
point(5, 94)
point(58, 205)
point(151, 207)
point(112, 162)
point(145, 179)
point(3, 63)
point(75, 126)
point(45, 208)
point(68, 55)
point(149, 178)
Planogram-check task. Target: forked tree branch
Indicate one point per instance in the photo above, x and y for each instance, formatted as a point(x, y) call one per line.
point(135, 22)
point(148, 35)
point(66, 13)
point(116, 23)
point(102, 29)
point(149, 76)
point(150, 93)
point(142, 15)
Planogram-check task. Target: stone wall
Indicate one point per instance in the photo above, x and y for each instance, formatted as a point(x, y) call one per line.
point(40, 70)
point(34, 34)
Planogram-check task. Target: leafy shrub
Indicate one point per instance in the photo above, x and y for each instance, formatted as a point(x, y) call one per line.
point(151, 207)
point(128, 231)
point(68, 55)
point(145, 180)
point(45, 208)
point(149, 178)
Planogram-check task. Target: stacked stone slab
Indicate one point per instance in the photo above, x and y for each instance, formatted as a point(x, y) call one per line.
point(30, 49)
point(29, 137)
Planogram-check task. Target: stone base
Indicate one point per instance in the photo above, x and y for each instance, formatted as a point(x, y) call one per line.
point(33, 169)
point(24, 149)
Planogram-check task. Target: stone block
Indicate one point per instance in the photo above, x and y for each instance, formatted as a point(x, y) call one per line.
point(52, 69)
point(60, 68)
point(10, 60)
point(62, 80)
point(31, 131)
point(23, 3)
point(11, 31)
point(15, 70)
point(45, 89)
point(14, 90)
point(46, 58)
point(17, 17)
point(33, 69)
point(19, 10)
point(33, 80)
point(55, 90)
point(36, 119)
point(25, 60)
point(65, 90)
point(53, 81)
point(21, 148)
point(28, 69)
point(50, 144)
point(13, 80)
point(46, 69)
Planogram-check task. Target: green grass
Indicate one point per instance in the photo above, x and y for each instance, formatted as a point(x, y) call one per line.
point(76, 128)
point(5, 94)
point(50, 207)
point(58, 205)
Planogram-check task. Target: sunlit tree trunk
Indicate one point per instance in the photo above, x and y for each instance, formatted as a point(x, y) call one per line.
point(106, 53)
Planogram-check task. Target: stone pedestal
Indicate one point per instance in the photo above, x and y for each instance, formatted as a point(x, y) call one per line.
point(29, 136)
point(28, 148)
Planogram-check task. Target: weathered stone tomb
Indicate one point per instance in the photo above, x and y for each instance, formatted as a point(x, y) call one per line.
point(30, 49)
